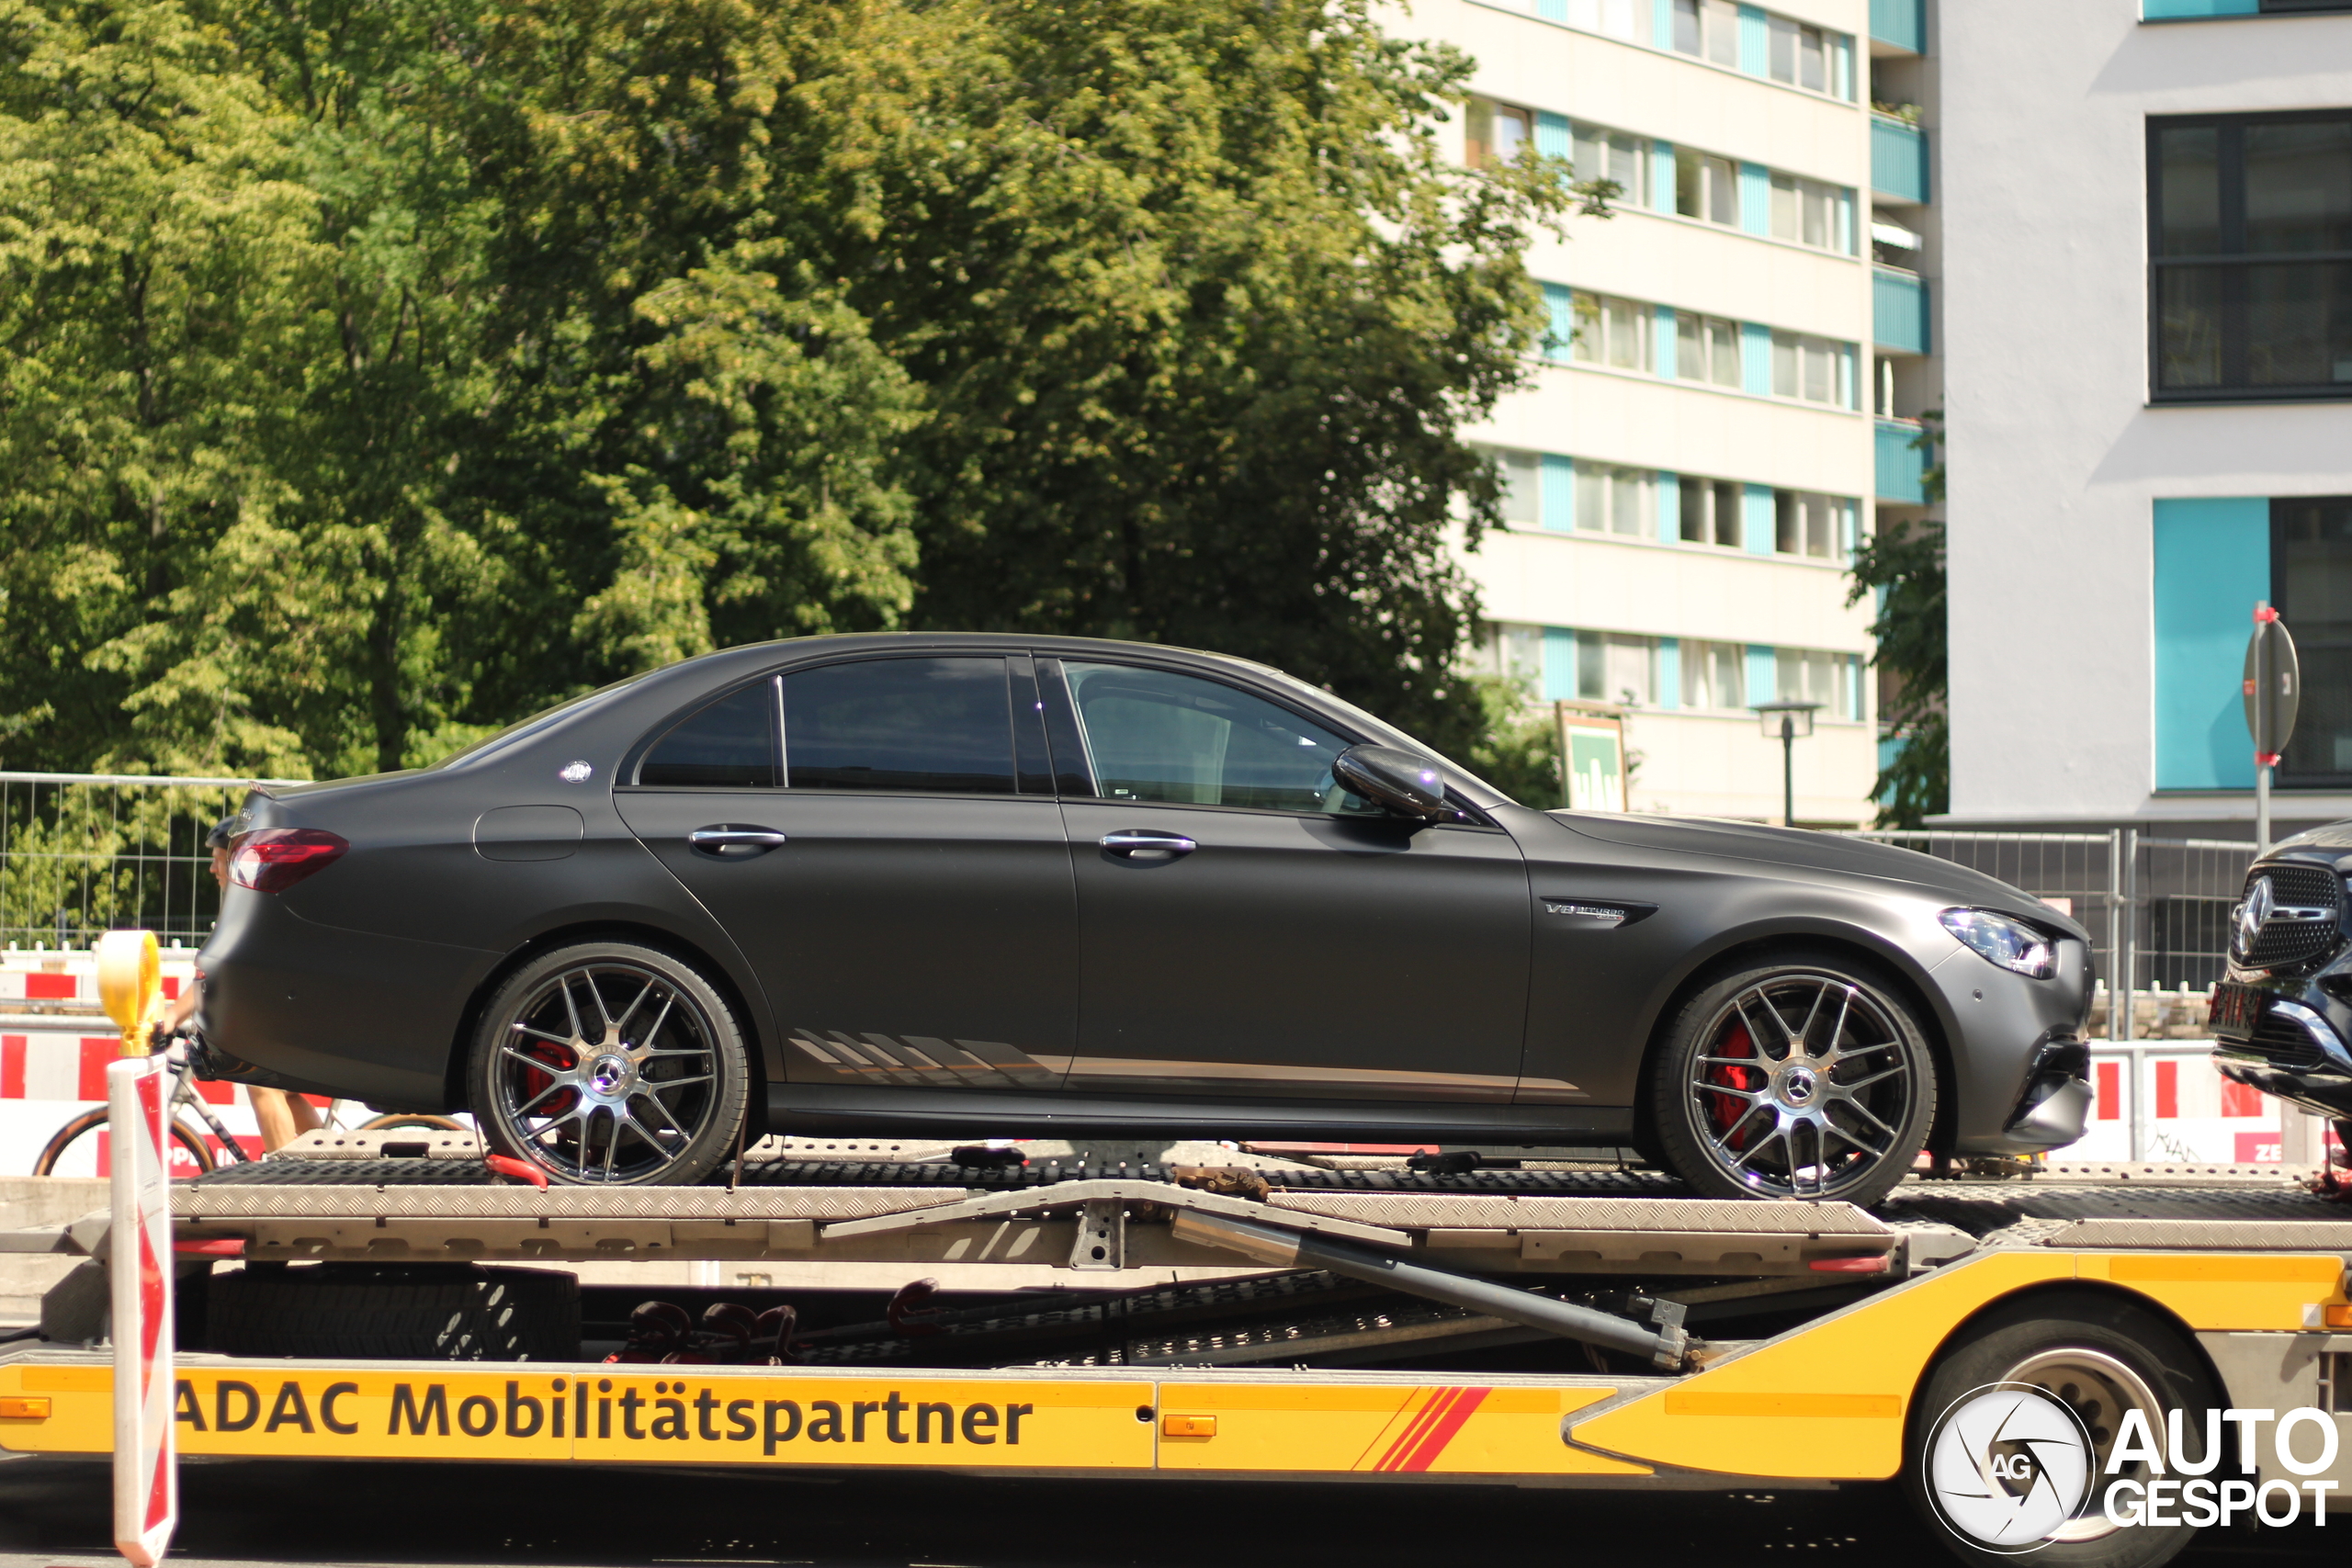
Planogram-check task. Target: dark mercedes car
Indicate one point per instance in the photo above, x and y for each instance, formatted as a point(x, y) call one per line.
point(1029, 885)
point(2283, 1014)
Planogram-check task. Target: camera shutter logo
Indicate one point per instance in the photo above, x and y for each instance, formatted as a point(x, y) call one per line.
point(2007, 1466)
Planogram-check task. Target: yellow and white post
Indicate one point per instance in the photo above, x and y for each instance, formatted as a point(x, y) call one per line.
point(139, 1108)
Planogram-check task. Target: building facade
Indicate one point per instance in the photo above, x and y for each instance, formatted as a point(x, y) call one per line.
point(2150, 422)
point(1703, 446)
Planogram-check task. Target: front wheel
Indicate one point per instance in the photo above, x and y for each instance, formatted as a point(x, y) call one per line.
point(610, 1064)
point(1803, 1078)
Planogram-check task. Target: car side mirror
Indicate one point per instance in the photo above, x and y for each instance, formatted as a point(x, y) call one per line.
point(1395, 779)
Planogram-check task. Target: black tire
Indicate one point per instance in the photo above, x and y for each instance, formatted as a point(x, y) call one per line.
point(1802, 1122)
point(389, 1312)
point(2097, 1353)
point(90, 1122)
point(582, 1054)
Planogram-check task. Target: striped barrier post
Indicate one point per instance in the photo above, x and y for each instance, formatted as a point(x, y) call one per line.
point(138, 1108)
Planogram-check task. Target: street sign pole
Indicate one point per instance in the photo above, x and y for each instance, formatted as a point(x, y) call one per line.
point(139, 1253)
point(2272, 691)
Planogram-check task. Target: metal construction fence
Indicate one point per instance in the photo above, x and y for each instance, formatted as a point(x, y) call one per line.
point(2157, 910)
point(82, 854)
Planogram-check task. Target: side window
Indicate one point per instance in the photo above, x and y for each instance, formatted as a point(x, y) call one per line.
point(730, 744)
point(1152, 735)
point(939, 725)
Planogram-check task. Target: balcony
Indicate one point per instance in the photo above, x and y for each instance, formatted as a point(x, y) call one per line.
point(1902, 23)
point(1898, 159)
point(1898, 311)
point(1902, 465)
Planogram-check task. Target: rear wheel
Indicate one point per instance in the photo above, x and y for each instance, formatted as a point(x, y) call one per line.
point(2096, 1356)
point(1805, 1077)
point(610, 1064)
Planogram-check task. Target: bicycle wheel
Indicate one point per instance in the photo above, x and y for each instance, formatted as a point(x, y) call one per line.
point(92, 1120)
point(396, 1118)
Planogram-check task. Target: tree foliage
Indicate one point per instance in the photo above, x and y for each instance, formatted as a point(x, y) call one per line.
point(374, 375)
point(1905, 567)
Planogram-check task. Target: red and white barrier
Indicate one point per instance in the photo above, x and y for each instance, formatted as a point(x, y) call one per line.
point(146, 1472)
point(2163, 1100)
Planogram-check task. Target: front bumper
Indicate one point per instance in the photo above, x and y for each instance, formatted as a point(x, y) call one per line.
point(2299, 1054)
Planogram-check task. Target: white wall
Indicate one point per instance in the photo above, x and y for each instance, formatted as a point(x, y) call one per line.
point(2053, 454)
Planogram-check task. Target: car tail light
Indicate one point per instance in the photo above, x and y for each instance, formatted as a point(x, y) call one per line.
point(271, 860)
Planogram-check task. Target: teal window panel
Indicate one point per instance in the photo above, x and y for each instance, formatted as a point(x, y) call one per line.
point(1666, 342)
point(2213, 566)
point(1756, 358)
point(1758, 520)
point(1669, 507)
point(1559, 664)
point(1560, 325)
point(1898, 159)
point(1763, 675)
point(1903, 23)
point(1553, 137)
point(1902, 468)
point(1755, 198)
point(1662, 24)
point(1669, 672)
point(1662, 175)
point(1898, 311)
point(1890, 747)
point(1755, 42)
point(1551, 10)
point(2196, 10)
point(1558, 496)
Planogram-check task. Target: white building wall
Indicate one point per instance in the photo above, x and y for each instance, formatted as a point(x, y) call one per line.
point(1704, 763)
point(2055, 456)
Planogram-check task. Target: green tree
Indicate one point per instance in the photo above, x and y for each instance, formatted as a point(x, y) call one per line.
point(1905, 567)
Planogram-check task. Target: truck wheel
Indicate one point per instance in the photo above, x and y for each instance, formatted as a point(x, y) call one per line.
point(1803, 1078)
point(610, 1064)
point(2098, 1356)
point(393, 1311)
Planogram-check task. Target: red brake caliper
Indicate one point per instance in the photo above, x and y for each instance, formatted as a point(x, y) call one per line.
point(1722, 1109)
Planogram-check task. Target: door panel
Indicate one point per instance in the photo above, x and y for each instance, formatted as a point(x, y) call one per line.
point(1248, 928)
point(916, 926)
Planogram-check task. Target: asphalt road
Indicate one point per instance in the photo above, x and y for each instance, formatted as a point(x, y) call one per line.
point(281, 1512)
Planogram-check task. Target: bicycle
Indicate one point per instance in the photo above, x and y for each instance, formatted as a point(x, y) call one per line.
point(191, 1140)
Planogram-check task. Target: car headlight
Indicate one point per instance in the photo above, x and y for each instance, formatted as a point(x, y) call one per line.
point(2012, 945)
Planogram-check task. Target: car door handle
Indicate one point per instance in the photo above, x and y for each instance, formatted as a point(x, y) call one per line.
point(1133, 842)
point(728, 841)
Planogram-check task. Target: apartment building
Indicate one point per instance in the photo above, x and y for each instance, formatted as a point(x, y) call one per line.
point(2150, 351)
point(1718, 418)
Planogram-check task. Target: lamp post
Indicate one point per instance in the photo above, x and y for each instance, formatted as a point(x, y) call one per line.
point(1790, 722)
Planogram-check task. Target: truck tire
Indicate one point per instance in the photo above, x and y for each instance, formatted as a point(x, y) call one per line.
point(1802, 1076)
point(2096, 1354)
point(610, 1064)
point(459, 1312)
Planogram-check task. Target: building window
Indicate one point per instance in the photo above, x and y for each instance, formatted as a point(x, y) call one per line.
point(1805, 675)
point(1613, 499)
point(1493, 133)
point(1787, 50)
point(1809, 525)
point(1811, 213)
point(2311, 584)
point(1516, 653)
point(1617, 18)
point(1709, 29)
point(1809, 368)
point(1714, 675)
point(2250, 245)
point(1706, 187)
point(1612, 669)
point(1522, 476)
point(1706, 348)
point(1799, 55)
point(1613, 332)
point(1602, 154)
point(1710, 513)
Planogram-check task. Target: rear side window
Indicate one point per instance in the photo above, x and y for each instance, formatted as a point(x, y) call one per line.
point(731, 744)
point(938, 725)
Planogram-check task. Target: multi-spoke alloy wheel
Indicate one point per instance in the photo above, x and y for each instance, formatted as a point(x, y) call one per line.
point(610, 1064)
point(1800, 1080)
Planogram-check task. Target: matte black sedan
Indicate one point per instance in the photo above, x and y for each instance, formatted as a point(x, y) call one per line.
point(1028, 886)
